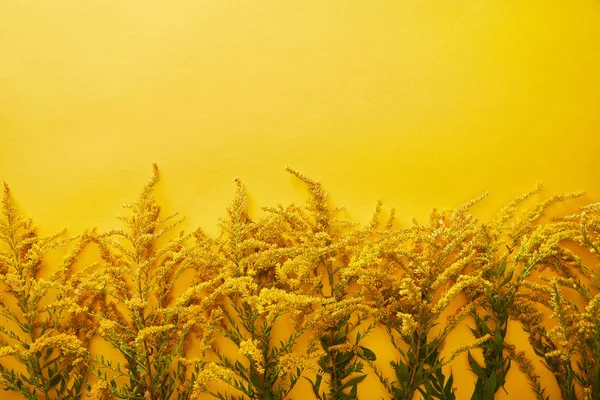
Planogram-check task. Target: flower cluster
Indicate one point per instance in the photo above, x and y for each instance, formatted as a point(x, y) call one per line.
point(295, 294)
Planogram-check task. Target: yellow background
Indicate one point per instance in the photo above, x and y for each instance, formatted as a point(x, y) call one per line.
point(419, 103)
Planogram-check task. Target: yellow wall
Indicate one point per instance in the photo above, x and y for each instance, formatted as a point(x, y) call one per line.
point(420, 103)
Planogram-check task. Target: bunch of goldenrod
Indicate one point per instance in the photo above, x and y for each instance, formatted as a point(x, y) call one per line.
point(570, 289)
point(136, 314)
point(411, 276)
point(51, 353)
point(325, 245)
point(251, 300)
point(510, 249)
point(294, 293)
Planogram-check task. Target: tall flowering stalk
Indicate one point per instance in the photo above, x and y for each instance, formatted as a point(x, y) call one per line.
point(325, 245)
point(556, 346)
point(571, 348)
point(137, 316)
point(589, 323)
point(508, 254)
point(52, 355)
point(411, 276)
point(250, 300)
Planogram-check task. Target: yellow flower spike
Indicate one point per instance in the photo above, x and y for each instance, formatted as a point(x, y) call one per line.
point(250, 349)
point(7, 351)
point(455, 352)
point(100, 390)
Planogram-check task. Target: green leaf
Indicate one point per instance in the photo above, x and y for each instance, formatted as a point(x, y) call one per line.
point(508, 278)
point(255, 379)
point(316, 385)
point(52, 382)
point(489, 388)
point(401, 370)
point(448, 388)
point(353, 382)
point(476, 368)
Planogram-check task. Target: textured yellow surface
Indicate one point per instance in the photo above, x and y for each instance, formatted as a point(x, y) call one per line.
point(419, 103)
